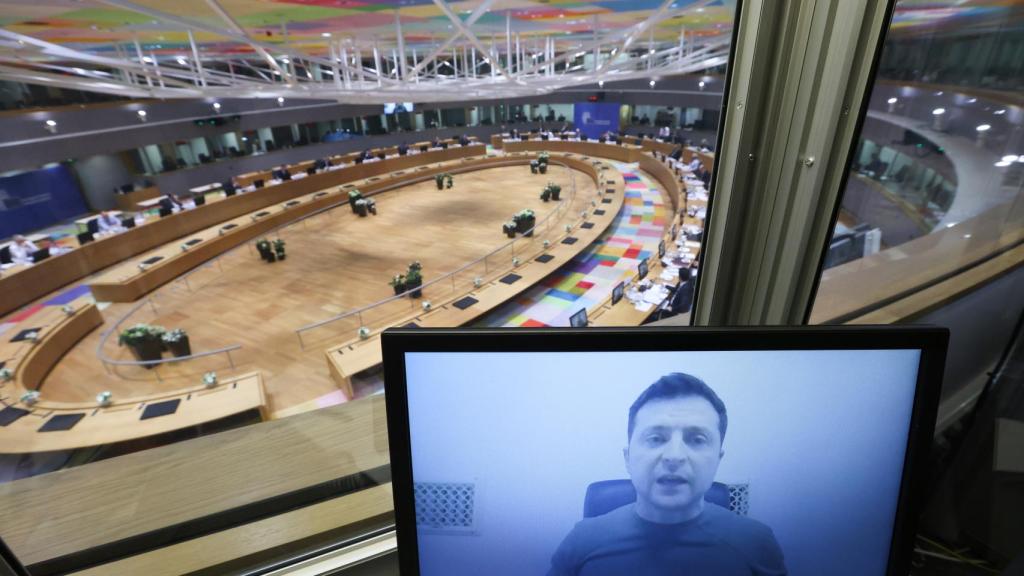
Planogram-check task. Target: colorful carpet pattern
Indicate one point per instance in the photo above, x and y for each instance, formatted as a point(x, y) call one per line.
point(589, 278)
point(65, 297)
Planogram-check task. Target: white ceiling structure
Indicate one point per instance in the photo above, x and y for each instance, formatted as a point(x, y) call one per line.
point(218, 56)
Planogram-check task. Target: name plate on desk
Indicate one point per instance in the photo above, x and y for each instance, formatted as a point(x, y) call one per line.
point(292, 203)
point(609, 191)
point(374, 179)
point(153, 260)
point(349, 186)
point(229, 226)
point(319, 194)
point(261, 214)
point(193, 242)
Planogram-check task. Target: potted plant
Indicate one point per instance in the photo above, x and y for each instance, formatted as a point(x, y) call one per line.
point(371, 205)
point(353, 197)
point(545, 194)
point(398, 283)
point(263, 246)
point(555, 190)
point(543, 158)
point(414, 279)
point(534, 166)
point(449, 182)
point(177, 342)
point(543, 167)
point(279, 249)
point(525, 221)
point(360, 207)
point(144, 342)
point(439, 181)
point(509, 228)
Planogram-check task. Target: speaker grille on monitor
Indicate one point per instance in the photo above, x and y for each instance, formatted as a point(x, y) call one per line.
point(445, 506)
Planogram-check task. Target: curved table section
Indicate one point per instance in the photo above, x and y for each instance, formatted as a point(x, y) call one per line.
point(25, 284)
point(350, 358)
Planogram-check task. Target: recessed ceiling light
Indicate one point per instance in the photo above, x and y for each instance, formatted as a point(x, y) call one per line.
point(78, 71)
point(326, 34)
point(280, 99)
point(939, 93)
point(182, 61)
point(600, 83)
point(983, 128)
point(1010, 158)
point(652, 83)
point(951, 224)
point(1000, 112)
point(968, 236)
point(1003, 164)
point(147, 59)
point(893, 100)
point(972, 100)
point(141, 113)
point(51, 123)
point(216, 105)
point(939, 111)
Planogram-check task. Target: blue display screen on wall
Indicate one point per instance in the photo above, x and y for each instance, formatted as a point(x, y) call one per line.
point(595, 118)
point(37, 199)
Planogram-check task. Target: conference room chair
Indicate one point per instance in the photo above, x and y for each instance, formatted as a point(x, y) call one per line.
point(164, 212)
point(40, 255)
point(200, 199)
point(93, 226)
point(258, 183)
point(423, 148)
point(128, 222)
point(5, 255)
point(607, 495)
point(359, 160)
point(84, 238)
point(310, 171)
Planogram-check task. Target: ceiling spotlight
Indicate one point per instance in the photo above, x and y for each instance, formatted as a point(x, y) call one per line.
point(983, 128)
point(939, 93)
point(1010, 158)
point(1003, 164)
point(972, 100)
point(182, 61)
point(78, 71)
point(326, 34)
point(893, 100)
point(285, 59)
point(147, 59)
point(652, 50)
point(939, 111)
point(652, 83)
point(51, 126)
point(142, 115)
point(701, 84)
point(1000, 112)
point(600, 83)
point(967, 236)
point(280, 100)
point(216, 105)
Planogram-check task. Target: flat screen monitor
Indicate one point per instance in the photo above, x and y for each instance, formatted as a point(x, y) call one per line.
point(661, 249)
point(675, 231)
point(40, 255)
point(639, 451)
point(617, 292)
point(641, 270)
point(395, 107)
point(579, 319)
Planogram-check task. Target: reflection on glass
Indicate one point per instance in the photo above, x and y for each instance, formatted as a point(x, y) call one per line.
point(936, 181)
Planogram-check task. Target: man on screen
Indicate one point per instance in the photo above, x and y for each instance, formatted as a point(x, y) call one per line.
point(675, 434)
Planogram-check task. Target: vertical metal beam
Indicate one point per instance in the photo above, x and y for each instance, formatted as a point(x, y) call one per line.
point(403, 70)
point(800, 70)
point(142, 60)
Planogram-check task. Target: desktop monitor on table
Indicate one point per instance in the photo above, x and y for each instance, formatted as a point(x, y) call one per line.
point(164, 212)
point(579, 319)
point(637, 451)
point(128, 222)
point(40, 255)
point(641, 270)
point(258, 183)
point(617, 292)
point(311, 170)
point(675, 231)
point(661, 249)
point(424, 148)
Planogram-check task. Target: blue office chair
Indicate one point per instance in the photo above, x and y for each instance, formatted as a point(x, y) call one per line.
point(607, 495)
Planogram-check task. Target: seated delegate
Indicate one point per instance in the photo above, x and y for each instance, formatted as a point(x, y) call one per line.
point(22, 250)
point(108, 223)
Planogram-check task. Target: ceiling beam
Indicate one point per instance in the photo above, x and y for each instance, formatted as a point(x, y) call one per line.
point(465, 31)
point(480, 11)
point(233, 24)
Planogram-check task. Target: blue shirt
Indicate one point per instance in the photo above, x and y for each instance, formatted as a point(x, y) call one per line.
point(717, 542)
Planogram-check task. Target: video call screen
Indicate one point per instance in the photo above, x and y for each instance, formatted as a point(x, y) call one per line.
point(650, 463)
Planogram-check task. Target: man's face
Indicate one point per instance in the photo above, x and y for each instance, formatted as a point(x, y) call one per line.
point(673, 454)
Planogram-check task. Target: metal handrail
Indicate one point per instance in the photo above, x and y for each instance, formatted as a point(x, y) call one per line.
point(450, 275)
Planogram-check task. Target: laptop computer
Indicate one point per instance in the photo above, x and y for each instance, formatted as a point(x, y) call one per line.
point(635, 451)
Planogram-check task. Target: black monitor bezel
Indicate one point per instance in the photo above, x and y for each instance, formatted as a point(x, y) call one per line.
point(642, 270)
point(576, 314)
point(661, 249)
point(621, 289)
point(931, 341)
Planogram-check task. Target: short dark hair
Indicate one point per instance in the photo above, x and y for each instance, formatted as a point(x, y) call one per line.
point(679, 385)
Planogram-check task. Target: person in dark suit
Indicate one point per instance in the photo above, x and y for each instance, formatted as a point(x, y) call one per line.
point(677, 153)
point(464, 140)
point(403, 149)
point(171, 202)
point(435, 143)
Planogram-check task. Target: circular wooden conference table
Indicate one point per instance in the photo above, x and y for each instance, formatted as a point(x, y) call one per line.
point(59, 330)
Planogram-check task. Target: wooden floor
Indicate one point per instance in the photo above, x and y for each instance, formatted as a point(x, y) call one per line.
point(336, 262)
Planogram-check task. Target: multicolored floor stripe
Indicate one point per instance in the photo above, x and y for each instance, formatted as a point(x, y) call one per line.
point(61, 299)
point(589, 278)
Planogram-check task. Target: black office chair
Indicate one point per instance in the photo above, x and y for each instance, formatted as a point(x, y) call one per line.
point(286, 175)
point(128, 222)
point(423, 148)
point(444, 145)
point(257, 183)
point(381, 155)
point(310, 171)
point(359, 159)
point(565, 136)
point(93, 226)
point(5, 255)
point(544, 137)
point(84, 238)
point(200, 199)
point(607, 495)
point(166, 212)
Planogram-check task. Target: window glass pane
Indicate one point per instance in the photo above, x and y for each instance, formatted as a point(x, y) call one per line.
point(935, 186)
